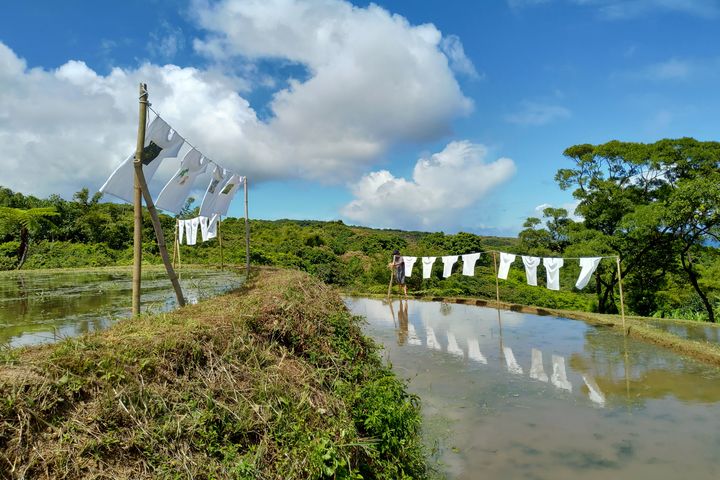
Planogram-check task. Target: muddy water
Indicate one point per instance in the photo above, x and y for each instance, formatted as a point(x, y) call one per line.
point(548, 398)
point(702, 331)
point(40, 307)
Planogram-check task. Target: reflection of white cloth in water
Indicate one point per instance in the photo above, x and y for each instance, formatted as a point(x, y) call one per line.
point(506, 259)
point(412, 335)
point(191, 229)
point(432, 341)
point(427, 266)
point(448, 262)
point(409, 263)
point(474, 351)
point(512, 364)
point(469, 261)
point(531, 264)
point(181, 231)
point(596, 396)
point(559, 377)
point(552, 270)
point(537, 371)
point(587, 268)
point(212, 227)
point(453, 347)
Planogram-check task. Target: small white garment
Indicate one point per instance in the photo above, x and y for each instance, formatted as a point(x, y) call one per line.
point(427, 266)
point(594, 392)
point(432, 341)
point(474, 351)
point(222, 203)
point(204, 228)
point(537, 371)
point(587, 268)
point(409, 262)
point(191, 228)
point(412, 335)
point(161, 142)
point(512, 364)
point(181, 231)
point(559, 377)
point(219, 177)
point(506, 259)
point(552, 271)
point(453, 347)
point(212, 226)
point(173, 195)
point(448, 262)
point(469, 261)
point(531, 264)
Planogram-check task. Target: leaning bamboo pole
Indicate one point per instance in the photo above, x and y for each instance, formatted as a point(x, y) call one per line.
point(137, 204)
point(247, 231)
point(219, 232)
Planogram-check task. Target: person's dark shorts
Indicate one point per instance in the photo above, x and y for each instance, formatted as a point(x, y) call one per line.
point(400, 274)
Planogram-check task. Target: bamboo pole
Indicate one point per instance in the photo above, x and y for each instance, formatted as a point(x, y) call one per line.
point(137, 204)
point(390, 284)
point(497, 304)
point(247, 231)
point(222, 259)
point(622, 298)
point(175, 243)
point(179, 242)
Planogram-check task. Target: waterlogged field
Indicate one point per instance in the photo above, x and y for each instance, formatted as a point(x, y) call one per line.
point(45, 306)
point(512, 395)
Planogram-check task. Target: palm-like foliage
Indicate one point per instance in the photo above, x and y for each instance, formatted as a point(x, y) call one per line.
point(27, 221)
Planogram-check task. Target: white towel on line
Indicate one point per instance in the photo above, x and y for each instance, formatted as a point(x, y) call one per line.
point(531, 264)
point(469, 261)
point(552, 271)
point(427, 266)
point(587, 268)
point(506, 259)
point(448, 262)
point(409, 263)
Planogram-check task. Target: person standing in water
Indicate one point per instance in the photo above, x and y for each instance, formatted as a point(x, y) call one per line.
point(398, 267)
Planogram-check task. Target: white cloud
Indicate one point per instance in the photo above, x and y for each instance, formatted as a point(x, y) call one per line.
point(166, 41)
point(568, 206)
point(627, 9)
point(442, 188)
point(534, 113)
point(459, 62)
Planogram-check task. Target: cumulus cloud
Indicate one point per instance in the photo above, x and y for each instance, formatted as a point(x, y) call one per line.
point(443, 187)
point(459, 62)
point(626, 9)
point(534, 113)
point(373, 81)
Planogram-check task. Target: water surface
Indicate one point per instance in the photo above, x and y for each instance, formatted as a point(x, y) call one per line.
point(45, 306)
point(535, 397)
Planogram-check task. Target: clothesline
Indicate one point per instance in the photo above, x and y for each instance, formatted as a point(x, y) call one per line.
point(564, 258)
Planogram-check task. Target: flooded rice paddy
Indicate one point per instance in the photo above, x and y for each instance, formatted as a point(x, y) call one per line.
point(46, 306)
point(515, 395)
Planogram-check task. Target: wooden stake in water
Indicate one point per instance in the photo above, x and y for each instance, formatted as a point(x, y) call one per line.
point(622, 299)
point(175, 244)
point(391, 279)
point(137, 204)
point(247, 231)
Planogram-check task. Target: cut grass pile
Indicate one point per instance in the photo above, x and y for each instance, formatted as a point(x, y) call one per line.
point(273, 381)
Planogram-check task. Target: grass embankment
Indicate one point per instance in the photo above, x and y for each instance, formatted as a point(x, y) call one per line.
point(273, 381)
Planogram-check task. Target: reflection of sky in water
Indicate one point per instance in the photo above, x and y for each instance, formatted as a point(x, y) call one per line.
point(544, 397)
point(44, 307)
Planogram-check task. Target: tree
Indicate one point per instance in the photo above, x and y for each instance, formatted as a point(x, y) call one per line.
point(27, 221)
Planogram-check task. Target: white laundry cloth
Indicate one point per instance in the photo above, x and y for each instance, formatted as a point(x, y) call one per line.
point(173, 195)
point(213, 226)
point(594, 392)
point(552, 271)
point(531, 264)
point(181, 231)
point(412, 335)
point(511, 363)
point(191, 228)
point(559, 377)
point(506, 259)
point(217, 181)
point(427, 266)
point(537, 371)
point(469, 261)
point(409, 262)
point(432, 341)
point(587, 268)
point(453, 347)
point(161, 142)
point(222, 203)
point(448, 262)
point(204, 228)
point(474, 351)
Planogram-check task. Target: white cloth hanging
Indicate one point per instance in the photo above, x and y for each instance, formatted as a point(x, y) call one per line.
point(537, 371)
point(512, 364)
point(217, 181)
point(212, 226)
point(409, 262)
point(427, 266)
point(531, 264)
point(181, 231)
point(192, 228)
point(559, 377)
point(474, 352)
point(469, 261)
point(228, 191)
point(587, 268)
point(448, 262)
point(552, 271)
point(204, 228)
point(161, 142)
point(506, 259)
point(173, 195)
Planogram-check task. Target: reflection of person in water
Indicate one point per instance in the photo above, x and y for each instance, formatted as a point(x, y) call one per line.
point(398, 267)
point(403, 323)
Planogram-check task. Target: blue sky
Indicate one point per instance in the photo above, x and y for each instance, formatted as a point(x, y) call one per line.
point(401, 114)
